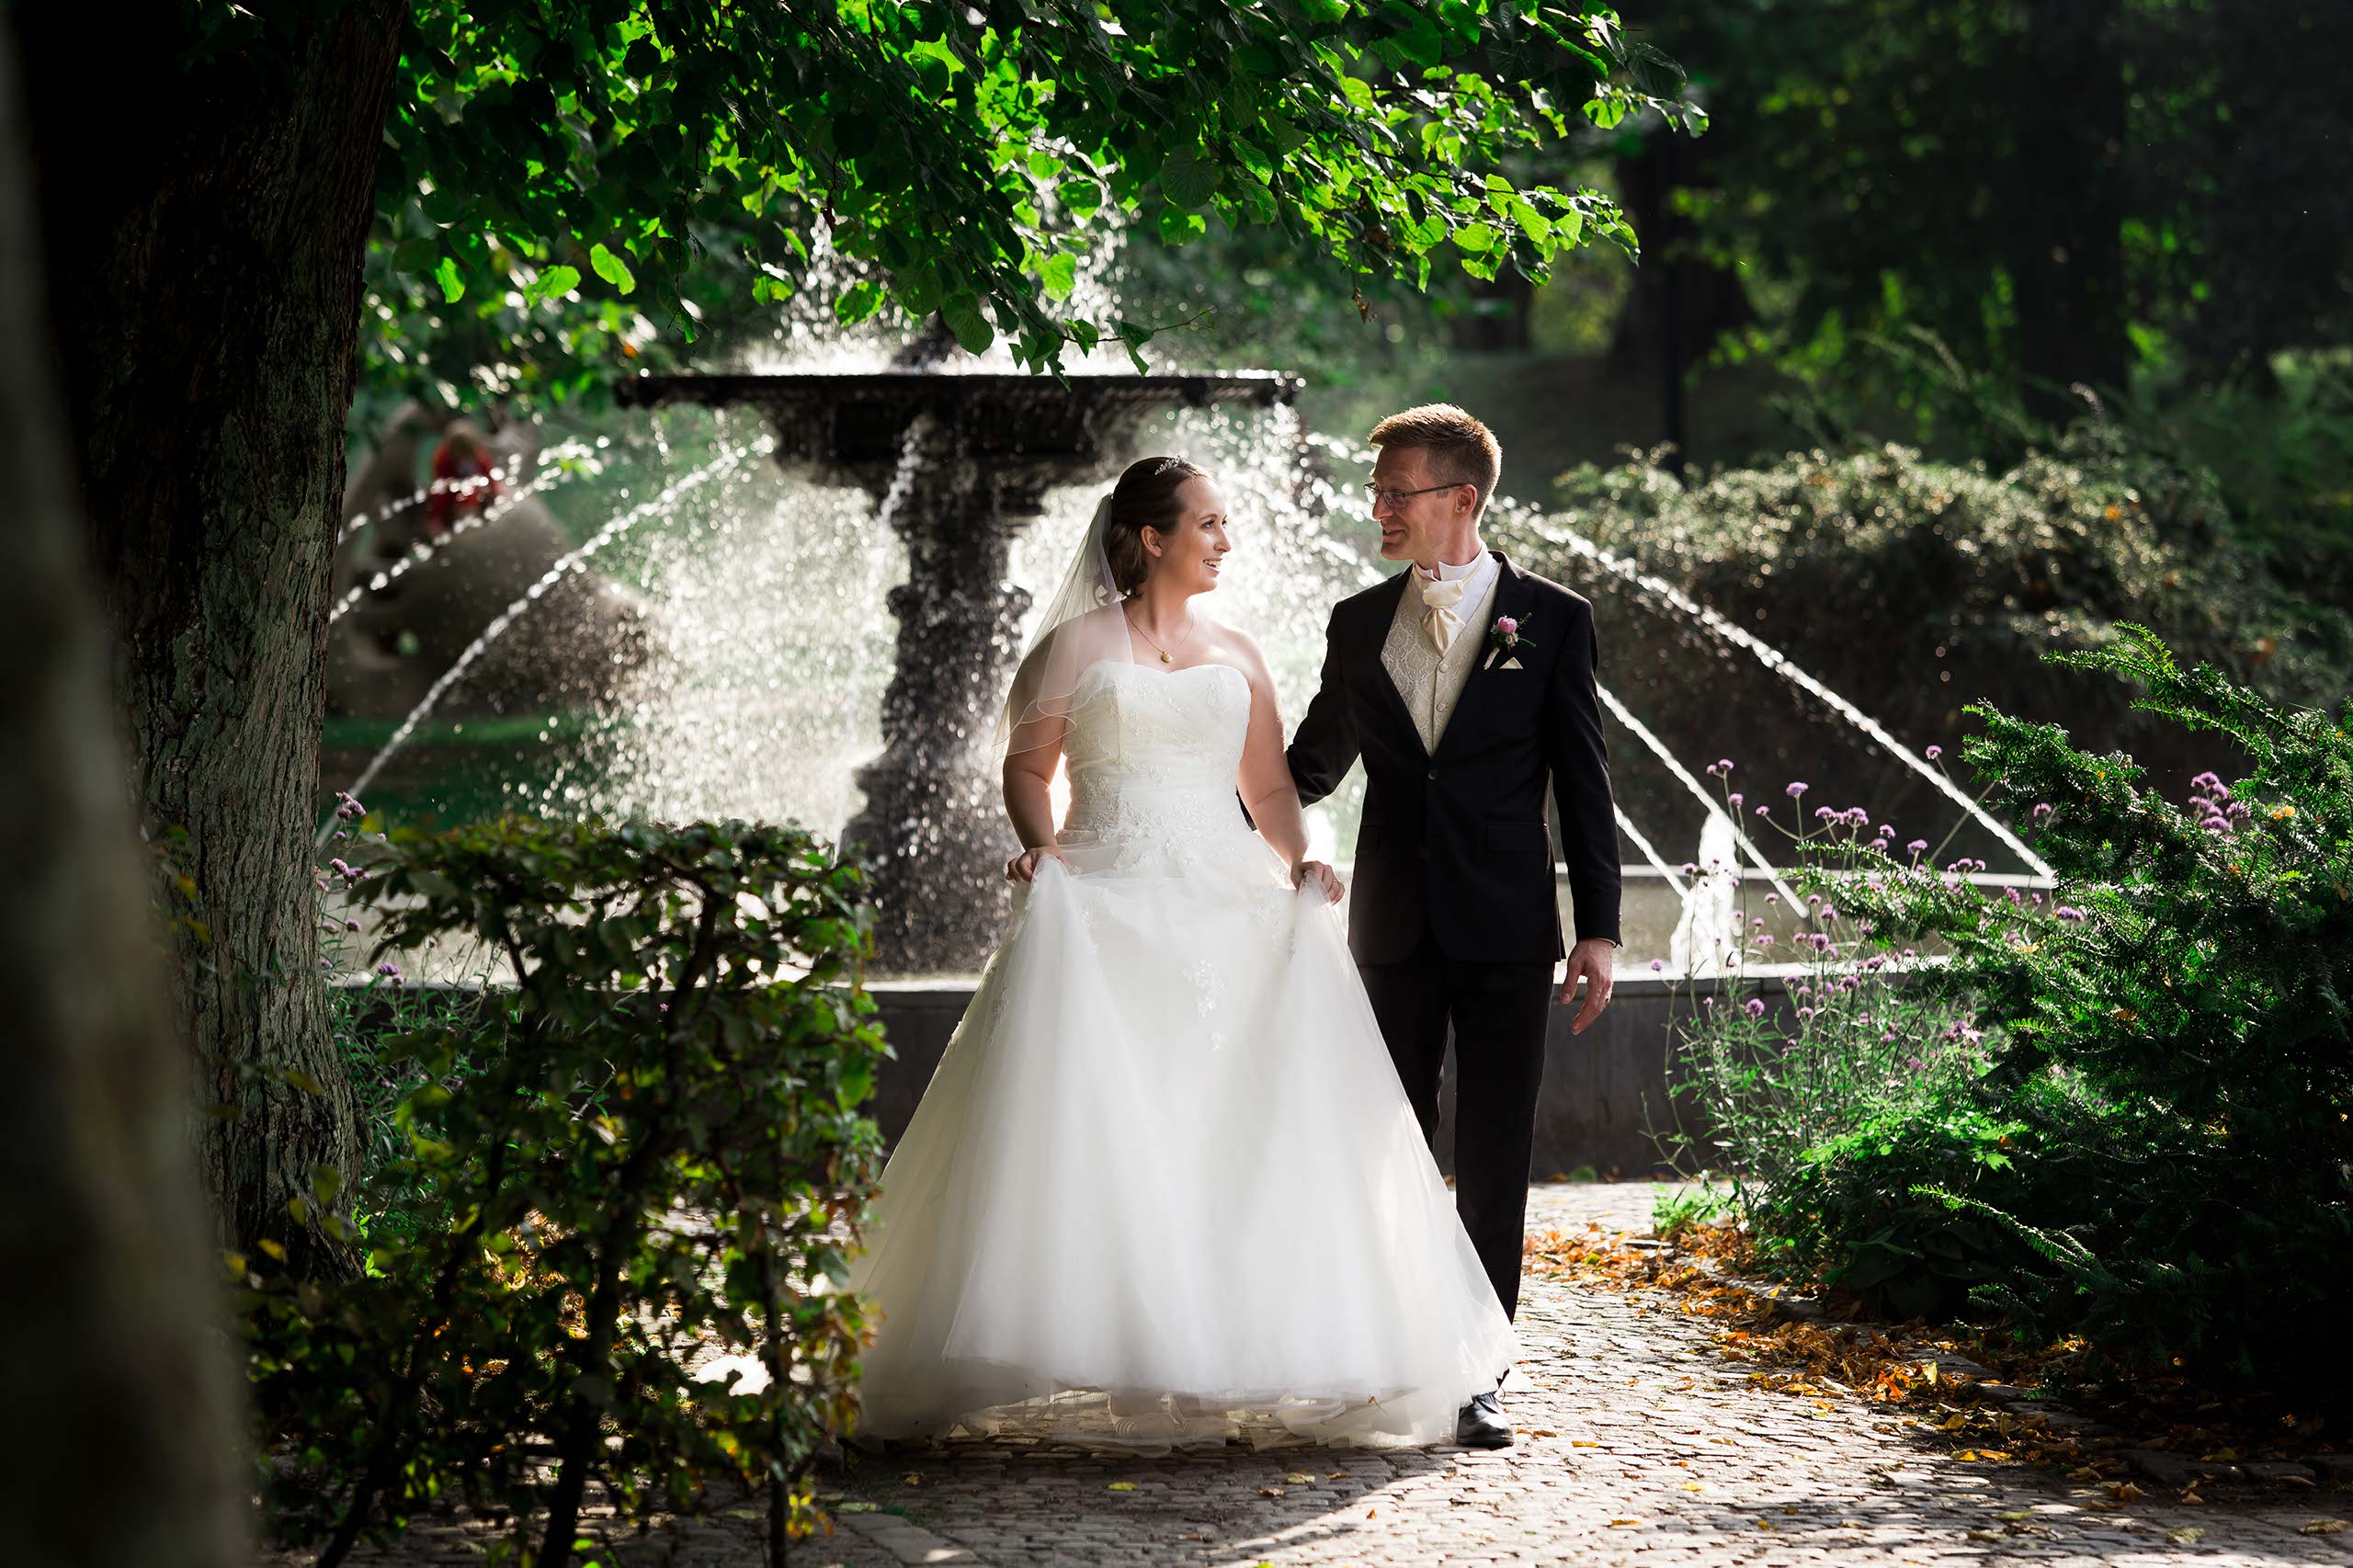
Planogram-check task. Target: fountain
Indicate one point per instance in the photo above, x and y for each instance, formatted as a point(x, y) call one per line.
point(958, 464)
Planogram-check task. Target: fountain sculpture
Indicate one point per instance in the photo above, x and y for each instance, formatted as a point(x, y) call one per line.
point(960, 464)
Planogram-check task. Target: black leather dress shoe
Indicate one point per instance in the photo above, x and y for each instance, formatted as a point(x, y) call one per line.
point(1482, 1425)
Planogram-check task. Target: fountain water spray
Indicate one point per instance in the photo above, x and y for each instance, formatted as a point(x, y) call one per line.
point(1683, 774)
point(1773, 659)
point(558, 463)
point(727, 461)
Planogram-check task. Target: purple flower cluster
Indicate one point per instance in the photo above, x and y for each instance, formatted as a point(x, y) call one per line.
point(2219, 813)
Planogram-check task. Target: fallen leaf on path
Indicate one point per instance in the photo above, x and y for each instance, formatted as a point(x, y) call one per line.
point(1298, 1478)
point(2321, 1526)
point(2188, 1535)
point(1120, 1486)
point(1618, 1524)
point(1271, 1492)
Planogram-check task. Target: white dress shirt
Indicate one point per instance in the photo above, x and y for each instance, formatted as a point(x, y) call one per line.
point(1431, 683)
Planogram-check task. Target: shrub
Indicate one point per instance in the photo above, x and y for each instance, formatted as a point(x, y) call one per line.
point(2147, 1141)
point(2175, 1033)
point(1850, 1057)
point(657, 1147)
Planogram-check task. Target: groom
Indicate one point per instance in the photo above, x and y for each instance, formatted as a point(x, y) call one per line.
point(1465, 685)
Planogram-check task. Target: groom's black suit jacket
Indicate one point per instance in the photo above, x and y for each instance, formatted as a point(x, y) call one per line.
point(1456, 842)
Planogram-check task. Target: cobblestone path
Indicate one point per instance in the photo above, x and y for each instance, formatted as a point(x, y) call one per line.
point(1637, 1444)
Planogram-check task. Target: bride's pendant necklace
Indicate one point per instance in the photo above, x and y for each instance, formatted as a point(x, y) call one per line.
point(1166, 656)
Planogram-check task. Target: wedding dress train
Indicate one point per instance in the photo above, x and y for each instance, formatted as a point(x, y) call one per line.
point(1164, 1187)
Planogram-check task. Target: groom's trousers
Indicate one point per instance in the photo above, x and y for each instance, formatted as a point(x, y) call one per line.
point(1498, 1011)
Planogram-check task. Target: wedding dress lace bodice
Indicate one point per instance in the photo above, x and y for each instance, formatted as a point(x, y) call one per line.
point(1152, 756)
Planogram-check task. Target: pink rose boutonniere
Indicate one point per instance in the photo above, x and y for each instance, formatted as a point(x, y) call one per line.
point(1506, 640)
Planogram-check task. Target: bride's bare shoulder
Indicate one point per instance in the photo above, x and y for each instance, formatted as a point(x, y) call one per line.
point(1079, 641)
point(1239, 649)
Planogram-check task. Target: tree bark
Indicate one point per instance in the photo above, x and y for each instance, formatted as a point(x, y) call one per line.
point(2065, 232)
point(1708, 301)
point(123, 1445)
point(204, 253)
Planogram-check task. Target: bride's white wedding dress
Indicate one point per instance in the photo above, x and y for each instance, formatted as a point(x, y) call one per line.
point(1165, 1186)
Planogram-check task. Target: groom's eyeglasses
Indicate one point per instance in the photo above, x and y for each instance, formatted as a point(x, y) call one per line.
point(1381, 496)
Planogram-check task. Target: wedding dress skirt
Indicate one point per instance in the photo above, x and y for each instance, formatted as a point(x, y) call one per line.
point(1164, 1187)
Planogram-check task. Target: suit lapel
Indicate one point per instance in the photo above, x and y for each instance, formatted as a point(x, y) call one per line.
point(1514, 593)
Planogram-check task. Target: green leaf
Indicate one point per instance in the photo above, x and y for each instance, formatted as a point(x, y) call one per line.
point(1187, 181)
point(1178, 227)
point(1476, 238)
point(553, 284)
point(415, 255)
point(454, 288)
point(971, 328)
point(1061, 275)
point(612, 269)
point(858, 303)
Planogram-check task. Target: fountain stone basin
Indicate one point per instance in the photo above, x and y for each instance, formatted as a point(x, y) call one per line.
point(957, 464)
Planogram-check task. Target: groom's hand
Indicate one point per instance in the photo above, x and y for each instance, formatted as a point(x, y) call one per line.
point(1591, 960)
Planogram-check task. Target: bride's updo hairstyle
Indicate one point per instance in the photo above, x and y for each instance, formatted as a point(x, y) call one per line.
point(1145, 497)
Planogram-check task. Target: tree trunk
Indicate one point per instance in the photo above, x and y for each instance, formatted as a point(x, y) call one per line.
point(1708, 301)
point(204, 251)
point(123, 1444)
point(2066, 248)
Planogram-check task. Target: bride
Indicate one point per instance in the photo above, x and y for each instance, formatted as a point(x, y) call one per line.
point(1164, 1187)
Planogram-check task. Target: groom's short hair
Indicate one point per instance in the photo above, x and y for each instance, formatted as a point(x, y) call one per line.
point(1460, 448)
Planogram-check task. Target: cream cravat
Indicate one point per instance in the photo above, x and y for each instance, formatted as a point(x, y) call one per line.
point(1439, 601)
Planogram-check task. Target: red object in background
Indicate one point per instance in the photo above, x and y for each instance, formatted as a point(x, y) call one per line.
point(462, 481)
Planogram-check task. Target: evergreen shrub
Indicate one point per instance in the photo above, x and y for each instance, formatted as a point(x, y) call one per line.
point(2147, 1139)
